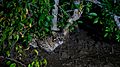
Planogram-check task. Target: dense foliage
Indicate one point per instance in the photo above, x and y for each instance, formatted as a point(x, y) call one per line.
point(104, 17)
point(21, 20)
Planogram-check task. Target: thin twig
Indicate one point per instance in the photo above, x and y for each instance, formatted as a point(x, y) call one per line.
point(11, 59)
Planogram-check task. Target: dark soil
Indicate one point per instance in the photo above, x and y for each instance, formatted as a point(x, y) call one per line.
point(82, 50)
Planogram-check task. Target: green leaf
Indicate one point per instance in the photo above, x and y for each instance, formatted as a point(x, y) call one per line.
point(92, 14)
point(90, 17)
point(36, 51)
point(37, 64)
point(29, 65)
point(80, 21)
point(106, 34)
point(8, 62)
point(31, 20)
point(46, 24)
point(96, 20)
point(29, 37)
point(33, 1)
point(17, 36)
point(11, 15)
point(40, 63)
point(13, 65)
point(8, 53)
point(33, 63)
point(88, 9)
point(49, 18)
point(16, 48)
point(107, 29)
point(45, 61)
point(46, 29)
point(117, 37)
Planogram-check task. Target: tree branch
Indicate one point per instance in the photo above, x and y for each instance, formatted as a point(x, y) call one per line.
point(55, 13)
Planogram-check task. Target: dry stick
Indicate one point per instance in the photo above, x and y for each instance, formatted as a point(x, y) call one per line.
point(116, 18)
point(2, 58)
point(55, 13)
point(23, 65)
point(76, 15)
point(95, 2)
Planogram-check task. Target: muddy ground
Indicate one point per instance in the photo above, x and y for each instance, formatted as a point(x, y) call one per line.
point(82, 49)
